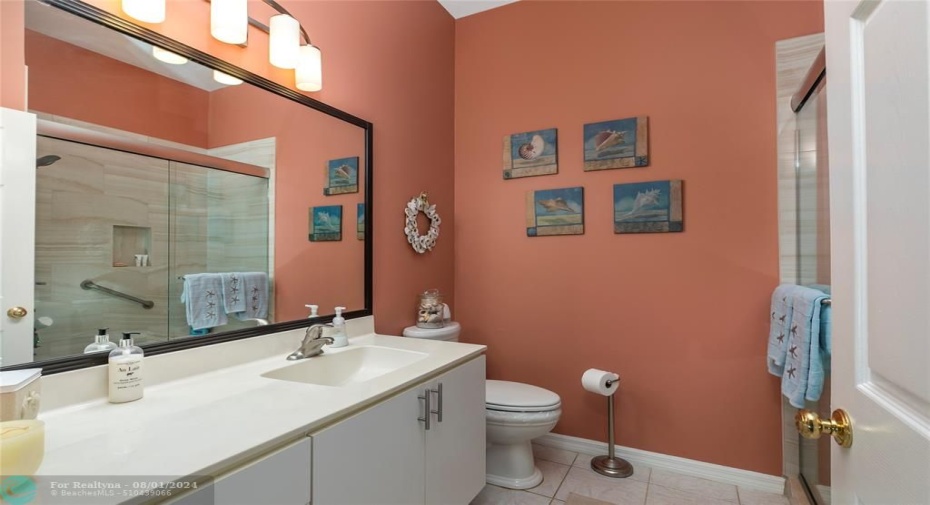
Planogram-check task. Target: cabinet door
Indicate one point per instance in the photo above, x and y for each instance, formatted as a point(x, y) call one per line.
point(281, 478)
point(374, 457)
point(455, 447)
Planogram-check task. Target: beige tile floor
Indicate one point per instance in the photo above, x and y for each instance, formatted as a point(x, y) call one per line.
point(566, 472)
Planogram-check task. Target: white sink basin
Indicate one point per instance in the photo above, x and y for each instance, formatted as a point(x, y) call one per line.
point(352, 366)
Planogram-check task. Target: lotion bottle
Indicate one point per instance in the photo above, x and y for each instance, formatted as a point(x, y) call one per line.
point(125, 375)
point(338, 334)
point(101, 342)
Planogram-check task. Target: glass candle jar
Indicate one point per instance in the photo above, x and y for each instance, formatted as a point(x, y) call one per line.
point(430, 310)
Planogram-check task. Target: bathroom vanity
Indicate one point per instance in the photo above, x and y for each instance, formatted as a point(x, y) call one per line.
point(362, 424)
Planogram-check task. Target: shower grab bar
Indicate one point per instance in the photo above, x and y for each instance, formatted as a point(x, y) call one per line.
point(89, 284)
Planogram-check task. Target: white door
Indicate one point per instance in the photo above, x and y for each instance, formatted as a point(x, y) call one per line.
point(455, 446)
point(17, 234)
point(878, 85)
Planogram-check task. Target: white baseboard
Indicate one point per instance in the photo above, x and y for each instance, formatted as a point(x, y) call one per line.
point(709, 471)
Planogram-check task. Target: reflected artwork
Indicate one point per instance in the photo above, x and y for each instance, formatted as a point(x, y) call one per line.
point(360, 221)
point(341, 176)
point(326, 223)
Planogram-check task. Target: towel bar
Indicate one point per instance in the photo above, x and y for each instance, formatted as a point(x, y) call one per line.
point(827, 301)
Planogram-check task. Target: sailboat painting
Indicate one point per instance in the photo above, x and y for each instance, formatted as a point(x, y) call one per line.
point(648, 207)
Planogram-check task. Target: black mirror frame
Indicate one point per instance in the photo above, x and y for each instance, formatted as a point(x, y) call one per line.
point(120, 25)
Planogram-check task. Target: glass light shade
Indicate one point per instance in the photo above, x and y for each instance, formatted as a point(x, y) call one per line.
point(167, 56)
point(147, 11)
point(222, 78)
point(284, 41)
point(229, 21)
point(309, 72)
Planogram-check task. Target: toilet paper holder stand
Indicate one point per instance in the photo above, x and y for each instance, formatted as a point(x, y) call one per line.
point(610, 465)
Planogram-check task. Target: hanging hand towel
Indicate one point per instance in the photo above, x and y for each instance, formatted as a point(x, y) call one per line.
point(781, 312)
point(798, 382)
point(202, 296)
point(234, 298)
point(255, 288)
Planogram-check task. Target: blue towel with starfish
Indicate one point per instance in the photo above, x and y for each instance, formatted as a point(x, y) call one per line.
point(803, 369)
point(202, 296)
point(233, 292)
point(781, 314)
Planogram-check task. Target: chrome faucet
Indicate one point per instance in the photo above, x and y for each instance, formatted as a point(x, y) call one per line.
point(313, 342)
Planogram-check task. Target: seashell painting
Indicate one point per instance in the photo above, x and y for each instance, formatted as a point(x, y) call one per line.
point(341, 176)
point(648, 207)
point(326, 223)
point(620, 143)
point(555, 212)
point(531, 153)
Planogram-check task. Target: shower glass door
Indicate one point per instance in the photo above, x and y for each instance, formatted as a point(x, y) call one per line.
point(813, 215)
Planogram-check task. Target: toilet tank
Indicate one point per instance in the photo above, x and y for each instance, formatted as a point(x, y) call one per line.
point(450, 332)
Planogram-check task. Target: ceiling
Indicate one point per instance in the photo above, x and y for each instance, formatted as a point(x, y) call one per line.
point(462, 8)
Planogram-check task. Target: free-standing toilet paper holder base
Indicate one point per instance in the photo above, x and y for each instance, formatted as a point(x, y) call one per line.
point(610, 465)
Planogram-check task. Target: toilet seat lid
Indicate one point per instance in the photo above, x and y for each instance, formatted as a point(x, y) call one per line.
point(519, 397)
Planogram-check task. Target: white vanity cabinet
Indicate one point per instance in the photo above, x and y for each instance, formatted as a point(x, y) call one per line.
point(280, 478)
point(385, 455)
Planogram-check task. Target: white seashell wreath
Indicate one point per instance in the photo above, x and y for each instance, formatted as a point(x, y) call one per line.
point(421, 243)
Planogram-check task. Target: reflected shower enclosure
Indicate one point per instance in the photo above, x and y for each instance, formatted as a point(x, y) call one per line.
point(117, 231)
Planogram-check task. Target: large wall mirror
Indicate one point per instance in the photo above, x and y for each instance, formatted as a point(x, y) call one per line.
point(189, 204)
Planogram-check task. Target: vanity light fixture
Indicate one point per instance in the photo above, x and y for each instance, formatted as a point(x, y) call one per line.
point(167, 56)
point(289, 46)
point(309, 72)
point(227, 79)
point(229, 21)
point(147, 11)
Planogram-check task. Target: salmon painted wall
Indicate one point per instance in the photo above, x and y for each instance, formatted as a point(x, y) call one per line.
point(12, 56)
point(108, 92)
point(390, 63)
point(683, 317)
point(327, 274)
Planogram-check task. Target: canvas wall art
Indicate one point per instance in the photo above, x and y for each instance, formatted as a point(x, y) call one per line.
point(621, 143)
point(326, 223)
point(360, 221)
point(341, 176)
point(648, 207)
point(555, 212)
point(531, 153)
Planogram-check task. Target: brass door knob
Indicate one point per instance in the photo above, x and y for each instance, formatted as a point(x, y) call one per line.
point(17, 312)
point(810, 425)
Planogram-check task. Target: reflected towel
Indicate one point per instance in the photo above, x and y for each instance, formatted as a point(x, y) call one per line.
point(804, 373)
point(234, 299)
point(255, 289)
point(781, 312)
point(202, 296)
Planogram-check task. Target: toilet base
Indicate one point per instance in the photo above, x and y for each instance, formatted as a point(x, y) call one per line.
point(512, 483)
point(512, 465)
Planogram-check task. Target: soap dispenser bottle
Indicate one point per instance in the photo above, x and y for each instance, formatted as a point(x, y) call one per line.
point(313, 311)
point(101, 342)
point(125, 375)
point(338, 334)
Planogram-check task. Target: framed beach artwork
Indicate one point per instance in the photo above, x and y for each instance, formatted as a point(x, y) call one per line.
point(360, 221)
point(555, 212)
point(648, 207)
point(341, 176)
point(620, 143)
point(326, 223)
point(530, 154)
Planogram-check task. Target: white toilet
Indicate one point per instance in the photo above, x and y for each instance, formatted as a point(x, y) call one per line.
point(516, 413)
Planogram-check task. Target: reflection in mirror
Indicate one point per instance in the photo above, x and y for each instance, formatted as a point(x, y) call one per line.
point(177, 201)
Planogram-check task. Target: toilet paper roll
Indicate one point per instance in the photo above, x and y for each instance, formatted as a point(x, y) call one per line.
point(595, 381)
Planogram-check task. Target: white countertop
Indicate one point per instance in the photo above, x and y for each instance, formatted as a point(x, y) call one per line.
point(211, 422)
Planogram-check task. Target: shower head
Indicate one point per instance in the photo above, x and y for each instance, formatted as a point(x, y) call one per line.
point(45, 161)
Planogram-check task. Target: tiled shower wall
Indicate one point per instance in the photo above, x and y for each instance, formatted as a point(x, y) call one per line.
point(218, 223)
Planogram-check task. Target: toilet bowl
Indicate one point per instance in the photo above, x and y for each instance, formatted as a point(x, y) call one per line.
point(516, 413)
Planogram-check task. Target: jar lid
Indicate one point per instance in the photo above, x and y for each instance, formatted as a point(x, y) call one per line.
point(14, 380)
